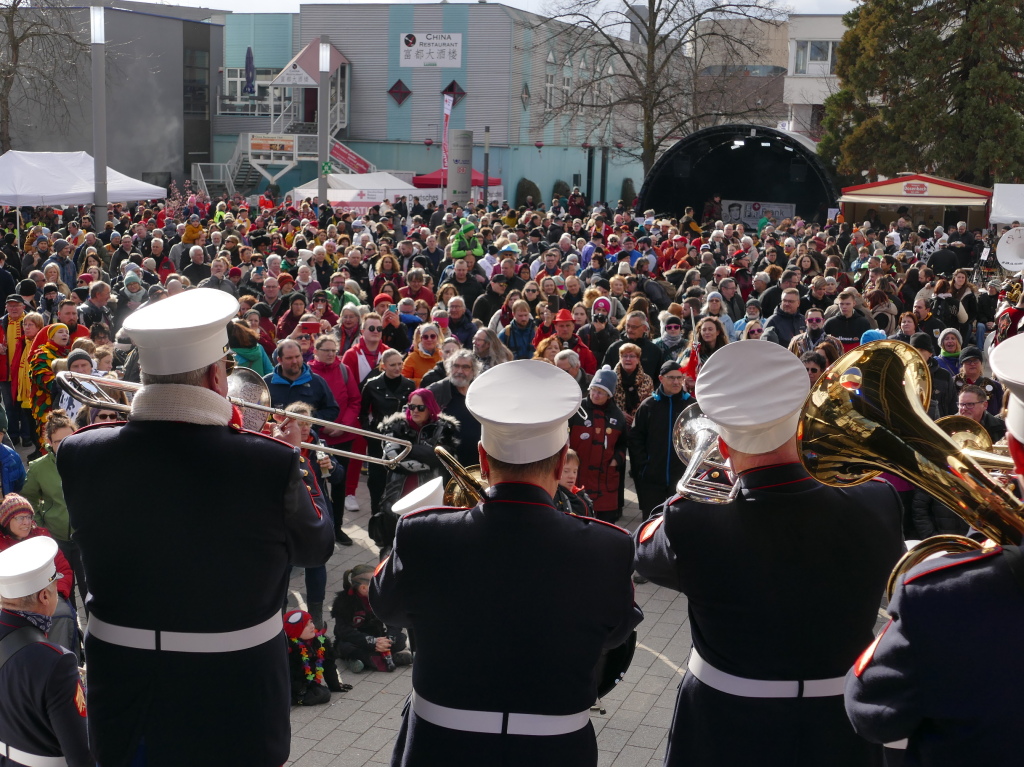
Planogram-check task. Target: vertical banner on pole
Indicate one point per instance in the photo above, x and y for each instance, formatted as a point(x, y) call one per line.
point(448, 101)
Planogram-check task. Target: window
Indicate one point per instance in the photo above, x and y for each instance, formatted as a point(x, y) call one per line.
point(399, 92)
point(566, 88)
point(454, 90)
point(196, 82)
point(815, 57)
point(549, 91)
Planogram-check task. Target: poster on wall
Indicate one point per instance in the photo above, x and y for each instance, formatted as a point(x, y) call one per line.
point(749, 212)
point(430, 49)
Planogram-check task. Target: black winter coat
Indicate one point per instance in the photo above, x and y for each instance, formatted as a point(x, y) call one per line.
point(932, 517)
point(379, 401)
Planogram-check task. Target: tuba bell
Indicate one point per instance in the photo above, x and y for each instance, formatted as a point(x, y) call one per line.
point(708, 477)
point(867, 414)
point(466, 488)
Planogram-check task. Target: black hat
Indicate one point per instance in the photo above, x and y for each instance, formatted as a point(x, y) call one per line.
point(922, 341)
point(603, 283)
point(668, 366)
point(970, 353)
point(15, 298)
point(500, 279)
point(82, 293)
point(263, 309)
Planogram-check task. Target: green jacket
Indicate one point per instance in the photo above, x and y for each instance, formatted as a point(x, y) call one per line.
point(461, 246)
point(44, 490)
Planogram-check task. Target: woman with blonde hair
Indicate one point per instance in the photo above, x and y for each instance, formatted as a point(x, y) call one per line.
point(633, 385)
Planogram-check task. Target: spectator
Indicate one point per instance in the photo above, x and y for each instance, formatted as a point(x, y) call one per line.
point(518, 334)
point(245, 345)
point(459, 322)
point(569, 361)
point(973, 403)
point(345, 389)
point(786, 323)
point(633, 385)
point(653, 461)
point(926, 321)
point(635, 328)
point(424, 425)
point(293, 381)
point(598, 437)
point(814, 335)
point(384, 393)
point(971, 373)
point(360, 637)
point(943, 395)
point(296, 303)
point(489, 350)
point(931, 517)
point(363, 357)
point(598, 334)
point(425, 353)
point(312, 661)
point(847, 326)
point(714, 307)
point(907, 327)
point(950, 343)
point(462, 368)
point(449, 346)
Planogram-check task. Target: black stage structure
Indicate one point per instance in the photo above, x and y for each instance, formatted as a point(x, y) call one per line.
point(740, 162)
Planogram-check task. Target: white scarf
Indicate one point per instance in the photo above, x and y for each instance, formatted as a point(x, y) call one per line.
point(179, 402)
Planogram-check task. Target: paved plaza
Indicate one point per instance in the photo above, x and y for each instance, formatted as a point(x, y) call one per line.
point(359, 727)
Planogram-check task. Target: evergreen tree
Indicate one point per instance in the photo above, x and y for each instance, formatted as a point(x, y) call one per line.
point(934, 86)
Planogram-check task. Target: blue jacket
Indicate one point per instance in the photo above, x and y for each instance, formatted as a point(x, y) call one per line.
point(12, 470)
point(519, 340)
point(308, 387)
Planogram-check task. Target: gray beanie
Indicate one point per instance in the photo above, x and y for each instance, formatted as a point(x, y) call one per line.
point(78, 354)
point(606, 380)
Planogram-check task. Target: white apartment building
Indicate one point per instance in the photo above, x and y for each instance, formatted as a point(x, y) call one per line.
point(811, 75)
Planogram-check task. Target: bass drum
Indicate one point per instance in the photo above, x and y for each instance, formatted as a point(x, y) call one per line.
point(612, 666)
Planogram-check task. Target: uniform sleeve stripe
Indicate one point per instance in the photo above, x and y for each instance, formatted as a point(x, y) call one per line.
point(865, 657)
point(380, 565)
point(650, 529)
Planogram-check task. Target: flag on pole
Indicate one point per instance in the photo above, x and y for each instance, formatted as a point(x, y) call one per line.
point(449, 100)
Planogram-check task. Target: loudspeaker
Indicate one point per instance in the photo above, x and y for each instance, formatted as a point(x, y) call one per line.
point(681, 166)
point(797, 172)
point(577, 179)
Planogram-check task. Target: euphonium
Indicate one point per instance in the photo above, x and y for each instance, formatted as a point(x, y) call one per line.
point(708, 477)
point(867, 414)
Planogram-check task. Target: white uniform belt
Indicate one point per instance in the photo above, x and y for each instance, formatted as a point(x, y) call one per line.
point(762, 688)
point(180, 641)
point(31, 760)
point(491, 721)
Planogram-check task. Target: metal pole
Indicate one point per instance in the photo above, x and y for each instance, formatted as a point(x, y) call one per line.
point(323, 119)
point(487, 160)
point(99, 115)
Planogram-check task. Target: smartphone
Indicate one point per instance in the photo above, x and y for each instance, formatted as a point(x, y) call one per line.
point(393, 308)
point(260, 269)
point(313, 328)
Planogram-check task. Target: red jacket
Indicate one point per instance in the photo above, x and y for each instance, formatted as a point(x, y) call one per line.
point(345, 388)
point(65, 584)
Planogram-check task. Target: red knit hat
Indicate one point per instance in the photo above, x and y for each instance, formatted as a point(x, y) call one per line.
point(13, 504)
point(295, 622)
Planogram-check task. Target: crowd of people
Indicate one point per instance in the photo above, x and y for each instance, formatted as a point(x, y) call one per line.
point(383, 321)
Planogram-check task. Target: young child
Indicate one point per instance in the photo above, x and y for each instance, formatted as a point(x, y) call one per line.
point(311, 660)
point(568, 497)
point(361, 638)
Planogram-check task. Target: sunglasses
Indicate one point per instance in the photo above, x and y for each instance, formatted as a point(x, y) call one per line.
point(417, 408)
point(303, 337)
point(755, 332)
point(429, 335)
point(374, 328)
point(814, 320)
point(106, 417)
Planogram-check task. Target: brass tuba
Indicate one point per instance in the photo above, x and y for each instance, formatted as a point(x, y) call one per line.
point(867, 414)
point(708, 477)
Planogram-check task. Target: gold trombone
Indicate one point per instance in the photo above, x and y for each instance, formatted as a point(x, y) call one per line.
point(89, 389)
point(867, 414)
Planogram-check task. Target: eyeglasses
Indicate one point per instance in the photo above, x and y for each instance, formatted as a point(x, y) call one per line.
point(416, 408)
point(374, 328)
point(106, 417)
point(530, 290)
point(755, 332)
point(22, 518)
point(429, 335)
point(814, 320)
point(327, 350)
point(303, 337)
point(627, 357)
point(962, 405)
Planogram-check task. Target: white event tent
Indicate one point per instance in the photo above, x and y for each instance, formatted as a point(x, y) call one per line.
point(359, 191)
point(64, 178)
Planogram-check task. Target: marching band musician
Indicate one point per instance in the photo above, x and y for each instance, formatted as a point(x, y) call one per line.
point(783, 581)
point(480, 586)
point(159, 640)
point(946, 672)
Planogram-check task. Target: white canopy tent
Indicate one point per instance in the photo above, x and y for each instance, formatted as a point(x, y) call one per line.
point(64, 178)
point(359, 191)
point(1007, 204)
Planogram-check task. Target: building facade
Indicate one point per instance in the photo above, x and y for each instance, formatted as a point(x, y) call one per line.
point(811, 75)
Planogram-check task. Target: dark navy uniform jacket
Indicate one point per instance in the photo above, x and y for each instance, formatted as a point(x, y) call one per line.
point(512, 603)
point(783, 583)
point(947, 671)
point(203, 543)
point(42, 702)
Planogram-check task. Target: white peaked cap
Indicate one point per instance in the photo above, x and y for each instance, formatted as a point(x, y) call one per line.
point(524, 408)
point(426, 496)
point(1007, 361)
point(182, 333)
point(753, 391)
point(27, 567)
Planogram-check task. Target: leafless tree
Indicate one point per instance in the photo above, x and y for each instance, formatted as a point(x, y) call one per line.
point(43, 48)
point(658, 70)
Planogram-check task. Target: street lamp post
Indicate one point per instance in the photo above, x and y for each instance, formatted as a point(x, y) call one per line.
point(99, 113)
point(323, 119)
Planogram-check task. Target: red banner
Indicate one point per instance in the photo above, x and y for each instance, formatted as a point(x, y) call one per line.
point(448, 101)
point(345, 156)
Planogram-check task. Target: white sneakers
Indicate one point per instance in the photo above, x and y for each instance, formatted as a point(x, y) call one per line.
point(351, 504)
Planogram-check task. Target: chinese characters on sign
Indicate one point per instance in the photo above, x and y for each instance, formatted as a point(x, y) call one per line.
point(429, 49)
